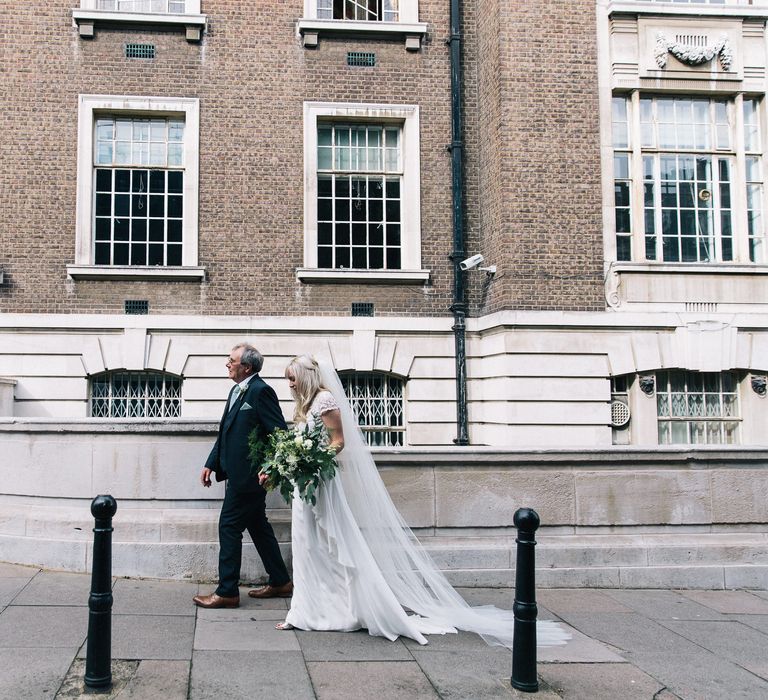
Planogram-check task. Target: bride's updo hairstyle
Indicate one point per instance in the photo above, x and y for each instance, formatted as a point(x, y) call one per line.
point(304, 368)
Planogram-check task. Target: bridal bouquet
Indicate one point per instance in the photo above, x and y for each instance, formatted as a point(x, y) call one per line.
point(294, 459)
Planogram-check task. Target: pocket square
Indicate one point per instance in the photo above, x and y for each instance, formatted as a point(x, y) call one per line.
point(246, 406)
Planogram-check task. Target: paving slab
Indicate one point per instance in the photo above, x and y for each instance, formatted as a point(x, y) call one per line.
point(145, 597)
point(461, 641)
point(32, 674)
point(625, 631)
point(664, 605)
point(43, 627)
point(579, 600)
point(17, 570)
point(240, 614)
point(758, 622)
point(700, 675)
point(576, 681)
point(10, 587)
point(383, 680)
point(158, 679)
point(730, 602)
point(350, 646)
point(744, 646)
point(463, 675)
point(56, 588)
point(243, 635)
point(500, 597)
point(242, 675)
point(151, 637)
point(580, 649)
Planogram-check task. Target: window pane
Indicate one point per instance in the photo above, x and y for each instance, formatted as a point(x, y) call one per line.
point(697, 404)
point(365, 152)
point(122, 200)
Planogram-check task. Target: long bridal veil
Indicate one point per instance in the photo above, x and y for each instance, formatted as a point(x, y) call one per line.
point(413, 577)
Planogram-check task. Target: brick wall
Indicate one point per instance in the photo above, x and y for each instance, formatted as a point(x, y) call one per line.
point(538, 144)
point(532, 168)
point(252, 76)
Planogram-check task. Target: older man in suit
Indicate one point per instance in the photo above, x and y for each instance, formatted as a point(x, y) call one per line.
point(252, 405)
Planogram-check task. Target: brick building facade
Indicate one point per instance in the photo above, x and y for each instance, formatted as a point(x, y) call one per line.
point(182, 175)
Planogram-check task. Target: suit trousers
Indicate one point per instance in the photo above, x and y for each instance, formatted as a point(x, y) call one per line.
point(246, 511)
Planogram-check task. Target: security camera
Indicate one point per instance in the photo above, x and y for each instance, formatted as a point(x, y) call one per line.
point(472, 262)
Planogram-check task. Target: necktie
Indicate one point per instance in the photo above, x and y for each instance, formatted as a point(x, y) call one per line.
point(234, 396)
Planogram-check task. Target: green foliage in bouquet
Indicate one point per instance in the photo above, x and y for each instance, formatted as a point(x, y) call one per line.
point(293, 458)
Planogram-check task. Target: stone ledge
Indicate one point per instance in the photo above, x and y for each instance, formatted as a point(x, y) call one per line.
point(474, 457)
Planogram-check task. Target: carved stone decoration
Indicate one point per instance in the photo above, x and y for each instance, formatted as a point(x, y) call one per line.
point(693, 55)
point(612, 284)
point(647, 384)
point(759, 384)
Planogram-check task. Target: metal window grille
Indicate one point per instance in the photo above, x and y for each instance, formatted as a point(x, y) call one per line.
point(138, 191)
point(135, 395)
point(139, 50)
point(697, 407)
point(361, 308)
point(361, 58)
point(377, 401)
point(176, 7)
point(136, 306)
point(369, 10)
point(359, 196)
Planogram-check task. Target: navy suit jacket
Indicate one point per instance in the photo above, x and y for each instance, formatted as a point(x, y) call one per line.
point(255, 409)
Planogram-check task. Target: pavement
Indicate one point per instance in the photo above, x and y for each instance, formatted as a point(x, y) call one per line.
point(627, 644)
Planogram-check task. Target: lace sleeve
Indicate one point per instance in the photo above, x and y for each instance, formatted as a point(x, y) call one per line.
point(323, 403)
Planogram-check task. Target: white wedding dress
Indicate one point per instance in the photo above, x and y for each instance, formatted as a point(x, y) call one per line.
point(337, 584)
point(357, 565)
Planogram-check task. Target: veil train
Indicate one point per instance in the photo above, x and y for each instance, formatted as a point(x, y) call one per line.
point(417, 583)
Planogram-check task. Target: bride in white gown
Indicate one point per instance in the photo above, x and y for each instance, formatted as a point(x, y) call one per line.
point(356, 563)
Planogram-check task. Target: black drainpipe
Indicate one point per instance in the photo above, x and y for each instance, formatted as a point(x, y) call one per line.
point(459, 306)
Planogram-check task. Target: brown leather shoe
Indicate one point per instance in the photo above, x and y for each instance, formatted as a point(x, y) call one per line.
point(284, 591)
point(216, 601)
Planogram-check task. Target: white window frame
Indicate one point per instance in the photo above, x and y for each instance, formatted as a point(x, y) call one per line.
point(407, 116)
point(735, 152)
point(90, 107)
point(408, 25)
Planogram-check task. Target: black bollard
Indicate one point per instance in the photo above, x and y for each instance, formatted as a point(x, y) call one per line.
point(98, 658)
point(524, 643)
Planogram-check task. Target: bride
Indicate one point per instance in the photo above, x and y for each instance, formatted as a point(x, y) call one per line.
point(356, 564)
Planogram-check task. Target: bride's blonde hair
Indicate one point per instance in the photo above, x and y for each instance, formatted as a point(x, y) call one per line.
point(307, 375)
